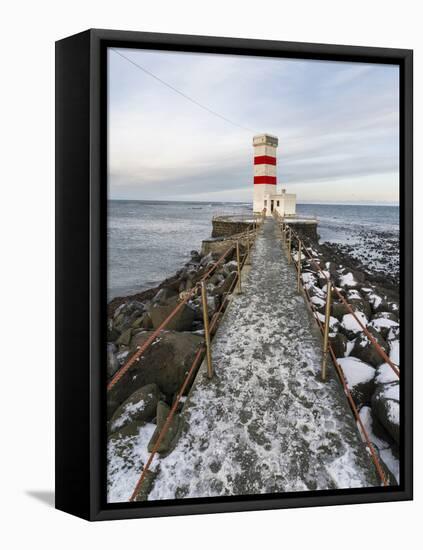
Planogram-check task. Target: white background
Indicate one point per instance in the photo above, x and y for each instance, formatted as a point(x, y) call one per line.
point(28, 32)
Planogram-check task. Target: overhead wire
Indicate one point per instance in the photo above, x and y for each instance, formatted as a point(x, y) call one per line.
point(184, 95)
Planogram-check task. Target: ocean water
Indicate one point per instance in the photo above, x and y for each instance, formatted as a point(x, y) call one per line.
point(344, 223)
point(148, 240)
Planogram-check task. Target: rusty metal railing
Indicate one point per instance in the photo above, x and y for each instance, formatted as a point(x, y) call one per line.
point(287, 233)
point(209, 330)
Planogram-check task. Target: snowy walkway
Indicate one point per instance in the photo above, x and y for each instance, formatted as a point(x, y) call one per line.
point(265, 423)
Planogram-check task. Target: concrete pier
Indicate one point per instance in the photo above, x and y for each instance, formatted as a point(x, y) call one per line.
point(265, 422)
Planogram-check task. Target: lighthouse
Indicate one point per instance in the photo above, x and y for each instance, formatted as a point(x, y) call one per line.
point(265, 179)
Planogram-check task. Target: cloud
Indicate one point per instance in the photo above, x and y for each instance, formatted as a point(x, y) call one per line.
point(335, 122)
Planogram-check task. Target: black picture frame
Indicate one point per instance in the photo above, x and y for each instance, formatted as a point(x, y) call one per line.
point(81, 208)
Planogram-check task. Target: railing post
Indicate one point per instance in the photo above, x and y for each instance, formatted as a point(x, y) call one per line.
point(206, 329)
point(289, 245)
point(326, 329)
point(238, 261)
point(248, 247)
point(299, 266)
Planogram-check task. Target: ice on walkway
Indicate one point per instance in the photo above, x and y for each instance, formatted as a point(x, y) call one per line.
point(265, 423)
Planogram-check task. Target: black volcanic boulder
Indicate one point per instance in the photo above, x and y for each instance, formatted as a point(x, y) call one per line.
point(170, 436)
point(365, 350)
point(165, 363)
point(383, 322)
point(181, 321)
point(141, 405)
point(386, 408)
point(338, 341)
point(360, 378)
point(339, 310)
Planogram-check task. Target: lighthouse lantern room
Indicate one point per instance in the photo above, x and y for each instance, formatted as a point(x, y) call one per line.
point(265, 179)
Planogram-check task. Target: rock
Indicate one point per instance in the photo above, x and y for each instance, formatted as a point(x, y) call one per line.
point(164, 363)
point(377, 302)
point(385, 374)
point(366, 351)
point(347, 280)
point(383, 321)
point(385, 407)
point(122, 356)
point(125, 338)
point(141, 405)
point(145, 487)
point(357, 302)
point(195, 256)
point(309, 280)
point(381, 441)
point(112, 362)
point(138, 322)
point(209, 259)
point(231, 266)
point(393, 334)
point(146, 321)
point(181, 321)
point(350, 326)
point(170, 437)
point(339, 344)
point(164, 295)
point(360, 378)
point(339, 310)
point(225, 285)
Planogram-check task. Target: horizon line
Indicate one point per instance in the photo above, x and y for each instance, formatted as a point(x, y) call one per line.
point(342, 203)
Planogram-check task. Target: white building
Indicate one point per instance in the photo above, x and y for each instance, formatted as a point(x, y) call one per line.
point(265, 179)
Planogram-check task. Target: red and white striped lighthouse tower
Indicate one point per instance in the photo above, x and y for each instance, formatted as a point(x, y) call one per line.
point(264, 170)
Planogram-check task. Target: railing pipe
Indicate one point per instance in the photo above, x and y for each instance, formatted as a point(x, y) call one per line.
point(238, 267)
point(299, 266)
point(206, 329)
point(326, 329)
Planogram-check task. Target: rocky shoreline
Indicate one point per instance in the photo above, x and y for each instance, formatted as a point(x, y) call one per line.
point(374, 298)
point(143, 396)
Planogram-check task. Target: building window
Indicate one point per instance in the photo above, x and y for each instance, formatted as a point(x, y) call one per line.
point(265, 203)
point(277, 203)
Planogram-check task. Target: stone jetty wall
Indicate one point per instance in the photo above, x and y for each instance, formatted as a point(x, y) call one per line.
point(305, 229)
point(226, 228)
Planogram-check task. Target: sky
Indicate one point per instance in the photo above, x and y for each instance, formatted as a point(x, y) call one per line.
point(337, 124)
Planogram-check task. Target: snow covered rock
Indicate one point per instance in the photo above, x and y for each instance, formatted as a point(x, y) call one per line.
point(339, 310)
point(333, 323)
point(382, 443)
point(141, 405)
point(394, 351)
point(347, 280)
point(385, 406)
point(385, 374)
point(230, 267)
point(357, 302)
point(224, 285)
point(112, 362)
point(350, 326)
point(360, 378)
point(383, 322)
point(165, 363)
point(365, 350)
point(338, 342)
point(170, 437)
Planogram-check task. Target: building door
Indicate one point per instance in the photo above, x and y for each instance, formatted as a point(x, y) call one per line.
point(271, 206)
